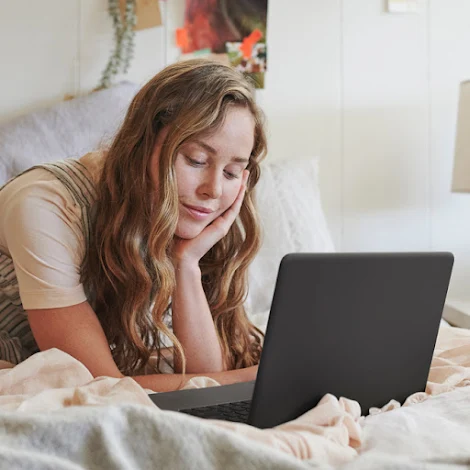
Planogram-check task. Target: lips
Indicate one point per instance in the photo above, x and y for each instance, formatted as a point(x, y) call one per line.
point(204, 210)
point(197, 212)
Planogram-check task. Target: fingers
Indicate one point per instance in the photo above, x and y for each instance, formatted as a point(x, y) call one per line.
point(222, 225)
point(241, 194)
point(246, 174)
point(232, 212)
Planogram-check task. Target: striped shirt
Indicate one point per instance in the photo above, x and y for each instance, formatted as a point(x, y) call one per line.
point(16, 339)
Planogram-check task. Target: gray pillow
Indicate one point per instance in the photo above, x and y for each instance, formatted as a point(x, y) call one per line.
point(68, 129)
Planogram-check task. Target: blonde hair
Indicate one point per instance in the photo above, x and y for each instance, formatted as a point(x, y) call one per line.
point(127, 272)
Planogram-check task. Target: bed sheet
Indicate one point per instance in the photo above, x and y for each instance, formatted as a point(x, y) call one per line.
point(54, 414)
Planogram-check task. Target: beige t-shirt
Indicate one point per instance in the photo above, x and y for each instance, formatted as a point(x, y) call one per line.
point(41, 230)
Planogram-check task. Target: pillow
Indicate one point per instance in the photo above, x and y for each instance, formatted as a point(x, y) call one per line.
point(67, 129)
point(292, 220)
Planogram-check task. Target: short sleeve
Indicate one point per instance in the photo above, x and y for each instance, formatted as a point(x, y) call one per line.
point(43, 233)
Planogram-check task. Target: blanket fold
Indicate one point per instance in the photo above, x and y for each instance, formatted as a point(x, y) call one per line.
point(51, 390)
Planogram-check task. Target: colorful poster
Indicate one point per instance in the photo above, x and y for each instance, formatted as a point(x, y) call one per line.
point(232, 30)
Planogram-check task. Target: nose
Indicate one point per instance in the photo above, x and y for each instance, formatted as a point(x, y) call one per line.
point(212, 185)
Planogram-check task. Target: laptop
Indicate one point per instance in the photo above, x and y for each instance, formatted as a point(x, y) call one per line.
point(356, 325)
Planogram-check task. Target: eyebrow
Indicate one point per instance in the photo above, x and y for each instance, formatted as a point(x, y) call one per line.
point(212, 150)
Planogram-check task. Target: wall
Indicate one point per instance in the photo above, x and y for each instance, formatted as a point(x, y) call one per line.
point(373, 94)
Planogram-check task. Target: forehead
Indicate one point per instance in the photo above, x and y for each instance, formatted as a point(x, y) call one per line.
point(235, 136)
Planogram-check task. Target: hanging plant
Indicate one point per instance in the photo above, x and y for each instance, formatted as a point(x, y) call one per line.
point(124, 34)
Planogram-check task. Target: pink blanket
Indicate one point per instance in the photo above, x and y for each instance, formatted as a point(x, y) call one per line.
point(332, 432)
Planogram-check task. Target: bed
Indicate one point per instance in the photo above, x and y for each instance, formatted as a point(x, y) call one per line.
point(54, 414)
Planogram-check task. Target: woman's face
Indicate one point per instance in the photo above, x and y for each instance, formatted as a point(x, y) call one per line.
point(209, 172)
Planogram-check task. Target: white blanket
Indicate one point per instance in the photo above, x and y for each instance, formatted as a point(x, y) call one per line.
point(53, 414)
point(127, 437)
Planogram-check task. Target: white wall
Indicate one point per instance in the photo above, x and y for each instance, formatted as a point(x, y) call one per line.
point(373, 94)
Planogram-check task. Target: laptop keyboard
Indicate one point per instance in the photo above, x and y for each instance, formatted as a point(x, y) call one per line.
point(236, 412)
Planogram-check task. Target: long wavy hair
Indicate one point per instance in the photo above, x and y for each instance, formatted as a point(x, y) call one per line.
point(128, 272)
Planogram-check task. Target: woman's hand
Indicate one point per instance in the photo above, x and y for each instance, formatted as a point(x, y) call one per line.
point(246, 374)
point(191, 251)
point(170, 382)
point(249, 373)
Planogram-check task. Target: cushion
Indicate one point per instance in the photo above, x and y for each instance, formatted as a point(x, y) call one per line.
point(292, 220)
point(67, 129)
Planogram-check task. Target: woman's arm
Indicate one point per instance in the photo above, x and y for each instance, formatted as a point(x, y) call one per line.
point(192, 320)
point(193, 324)
point(77, 331)
point(169, 382)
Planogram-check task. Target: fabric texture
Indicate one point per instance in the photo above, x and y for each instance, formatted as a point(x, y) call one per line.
point(16, 340)
point(67, 129)
point(43, 228)
point(53, 414)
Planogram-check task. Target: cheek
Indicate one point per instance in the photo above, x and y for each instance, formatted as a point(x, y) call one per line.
point(230, 194)
point(185, 181)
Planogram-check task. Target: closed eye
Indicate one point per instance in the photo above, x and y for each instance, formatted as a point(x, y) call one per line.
point(193, 162)
point(198, 164)
point(231, 176)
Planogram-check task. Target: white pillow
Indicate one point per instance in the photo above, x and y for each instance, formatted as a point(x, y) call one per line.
point(292, 220)
point(67, 129)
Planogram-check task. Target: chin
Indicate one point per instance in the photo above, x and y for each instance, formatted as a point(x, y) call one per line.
point(187, 232)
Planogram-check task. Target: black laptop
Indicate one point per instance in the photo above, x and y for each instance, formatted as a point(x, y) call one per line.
point(356, 325)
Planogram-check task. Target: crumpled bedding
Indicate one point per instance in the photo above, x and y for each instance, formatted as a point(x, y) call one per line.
point(54, 414)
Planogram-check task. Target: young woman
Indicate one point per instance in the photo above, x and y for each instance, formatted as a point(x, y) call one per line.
point(106, 256)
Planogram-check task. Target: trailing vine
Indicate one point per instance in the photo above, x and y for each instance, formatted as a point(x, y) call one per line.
point(124, 35)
